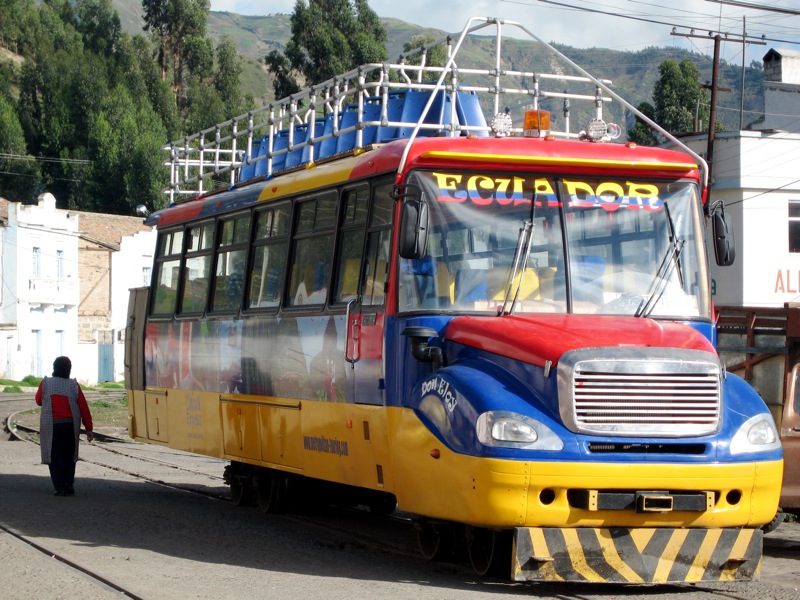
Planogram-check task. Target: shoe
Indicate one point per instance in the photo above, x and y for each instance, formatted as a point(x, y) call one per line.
point(59, 493)
point(70, 491)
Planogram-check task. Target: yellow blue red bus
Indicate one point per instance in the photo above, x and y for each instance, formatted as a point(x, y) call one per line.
point(500, 327)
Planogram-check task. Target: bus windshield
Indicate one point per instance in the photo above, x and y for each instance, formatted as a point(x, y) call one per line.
point(544, 244)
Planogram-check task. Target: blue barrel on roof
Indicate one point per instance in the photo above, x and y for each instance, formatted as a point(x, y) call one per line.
point(404, 106)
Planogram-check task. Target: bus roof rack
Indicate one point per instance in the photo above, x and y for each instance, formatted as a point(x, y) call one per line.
point(381, 102)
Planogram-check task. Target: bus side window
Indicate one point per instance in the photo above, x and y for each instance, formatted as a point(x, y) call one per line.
point(376, 267)
point(351, 247)
point(197, 269)
point(379, 241)
point(270, 246)
point(231, 257)
point(312, 249)
point(167, 275)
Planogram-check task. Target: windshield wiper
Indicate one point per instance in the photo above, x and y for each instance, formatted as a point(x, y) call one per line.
point(521, 254)
point(671, 260)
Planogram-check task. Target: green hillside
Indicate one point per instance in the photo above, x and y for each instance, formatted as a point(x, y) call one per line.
point(633, 73)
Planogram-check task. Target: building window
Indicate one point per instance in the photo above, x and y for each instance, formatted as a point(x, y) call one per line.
point(146, 275)
point(794, 225)
point(59, 263)
point(36, 258)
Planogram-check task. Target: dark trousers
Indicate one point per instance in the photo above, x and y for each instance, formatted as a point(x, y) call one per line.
point(62, 465)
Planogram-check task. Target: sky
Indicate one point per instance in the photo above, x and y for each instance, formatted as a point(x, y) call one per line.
point(615, 24)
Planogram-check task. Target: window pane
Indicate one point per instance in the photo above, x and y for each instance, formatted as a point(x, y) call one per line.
point(382, 206)
point(195, 284)
point(305, 222)
point(266, 278)
point(794, 236)
point(229, 280)
point(355, 206)
point(376, 267)
point(241, 234)
point(170, 243)
point(235, 231)
point(166, 287)
point(311, 270)
point(200, 237)
point(349, 265)
point(794, 208)
point(264, 224)
point(326, 212)
point(280, 222)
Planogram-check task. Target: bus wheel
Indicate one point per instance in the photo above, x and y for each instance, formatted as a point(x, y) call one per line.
point(489, 551)
point(776, 521)
point(271, 491)
point(241, 492)
point(436, 542)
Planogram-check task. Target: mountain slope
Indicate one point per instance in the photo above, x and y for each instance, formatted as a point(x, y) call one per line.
point(633, 73)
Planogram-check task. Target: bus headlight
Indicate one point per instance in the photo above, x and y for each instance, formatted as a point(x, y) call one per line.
point(504, 429)
point(756, 434)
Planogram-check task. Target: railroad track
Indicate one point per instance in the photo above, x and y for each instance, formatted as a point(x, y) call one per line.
point(93, 575)
point(106, 443)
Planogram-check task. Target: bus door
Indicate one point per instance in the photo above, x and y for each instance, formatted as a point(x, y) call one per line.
point(363, 269)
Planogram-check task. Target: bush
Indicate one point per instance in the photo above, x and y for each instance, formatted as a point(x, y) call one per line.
point(31, 380)
point(13, 389)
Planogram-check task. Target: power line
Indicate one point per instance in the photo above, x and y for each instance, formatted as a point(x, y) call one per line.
point(47, 159)
point(750, 5)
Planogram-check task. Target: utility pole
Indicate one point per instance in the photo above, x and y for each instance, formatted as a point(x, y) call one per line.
point(744, 57)
point(717, 37)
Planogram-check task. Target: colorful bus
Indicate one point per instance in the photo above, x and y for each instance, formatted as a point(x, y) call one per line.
point(502, 328)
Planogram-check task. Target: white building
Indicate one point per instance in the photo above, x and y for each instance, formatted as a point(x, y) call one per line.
point(40, 292)
point(66, 276)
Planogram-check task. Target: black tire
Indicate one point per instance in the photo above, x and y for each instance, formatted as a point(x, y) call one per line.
point(489, 551)
point(775, 523)
point(436, 542)
point(271, 492)
point(241, 492)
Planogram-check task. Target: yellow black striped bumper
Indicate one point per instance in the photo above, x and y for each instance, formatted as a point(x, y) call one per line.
point(636, 555)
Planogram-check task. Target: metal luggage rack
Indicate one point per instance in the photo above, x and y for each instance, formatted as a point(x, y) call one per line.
point(377, 103)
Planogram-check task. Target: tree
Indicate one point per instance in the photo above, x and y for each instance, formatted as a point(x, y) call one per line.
point(227, 76)
point(435, 56)
point(176, 26)
point(19, 173)
point(642, 133)
point(125, 141)
point(329, 37)
point(680, 104)
point(284, 81)
point(99, 26)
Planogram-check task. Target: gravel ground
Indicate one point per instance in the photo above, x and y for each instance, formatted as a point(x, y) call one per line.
point(160, 543)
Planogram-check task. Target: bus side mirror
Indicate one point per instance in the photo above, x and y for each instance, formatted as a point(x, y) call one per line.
point(724, 241)
point(413, 225)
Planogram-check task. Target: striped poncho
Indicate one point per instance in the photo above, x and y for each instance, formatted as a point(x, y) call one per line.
point(62, 387)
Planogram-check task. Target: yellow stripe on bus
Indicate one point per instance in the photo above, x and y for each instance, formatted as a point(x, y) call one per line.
point(557, 161)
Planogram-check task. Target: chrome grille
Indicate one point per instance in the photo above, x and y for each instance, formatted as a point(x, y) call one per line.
point(642, 392)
